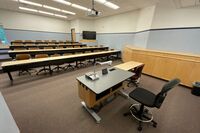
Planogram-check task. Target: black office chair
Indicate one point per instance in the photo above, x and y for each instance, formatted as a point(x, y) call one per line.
point(135, 78)
point(149, 99)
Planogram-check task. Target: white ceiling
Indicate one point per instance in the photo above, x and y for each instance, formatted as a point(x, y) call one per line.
point(125, 5)
point(186, 3)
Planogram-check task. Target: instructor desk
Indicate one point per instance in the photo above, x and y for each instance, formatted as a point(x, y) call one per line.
point(94, 92)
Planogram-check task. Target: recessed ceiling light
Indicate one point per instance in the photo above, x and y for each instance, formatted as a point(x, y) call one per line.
point(111, 5)
point(68, 12)
point(101, 1)
point(28, 9)
point(43, 12)
point(108, 4)
point(63, 2)
point(30, 3)
point(57, 15)
point(52, 8)
point(79, 7)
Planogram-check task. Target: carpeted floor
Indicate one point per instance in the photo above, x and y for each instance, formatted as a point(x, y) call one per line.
point(50, 104)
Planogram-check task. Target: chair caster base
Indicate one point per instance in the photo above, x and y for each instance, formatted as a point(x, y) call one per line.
point(126, 114)
point(155, 124)
point(139, 128)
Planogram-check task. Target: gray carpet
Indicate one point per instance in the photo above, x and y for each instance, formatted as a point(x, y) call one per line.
point(50, 104)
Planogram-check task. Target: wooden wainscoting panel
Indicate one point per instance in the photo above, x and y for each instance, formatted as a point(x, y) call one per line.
point(166, 65)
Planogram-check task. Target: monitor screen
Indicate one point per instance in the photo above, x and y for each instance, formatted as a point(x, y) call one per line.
point(90, 35)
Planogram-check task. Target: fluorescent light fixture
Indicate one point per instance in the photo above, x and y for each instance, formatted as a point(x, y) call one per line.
point(63, 2)
point(28, 9)
point(61, 16)
point(79, 7)
point(68, 12)
point(101, 1)
point(52, 8)
point(89, 10)
point(111, 5)
point(47, 13)
point(30, 3)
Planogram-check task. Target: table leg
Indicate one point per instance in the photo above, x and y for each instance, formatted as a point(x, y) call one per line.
point(123, 94)
point(50, 71)
point(92, 113)
point(10, 76)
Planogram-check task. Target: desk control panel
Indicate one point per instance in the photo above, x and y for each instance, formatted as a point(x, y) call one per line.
point(112, 69)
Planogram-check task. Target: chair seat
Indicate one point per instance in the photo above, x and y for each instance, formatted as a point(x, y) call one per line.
point(143, 96)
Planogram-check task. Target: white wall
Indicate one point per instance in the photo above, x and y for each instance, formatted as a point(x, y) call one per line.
point(126, 22)
point(145, 18)
point(168, 16)
point(86, 25)
point(75, 24)
point(23, 21)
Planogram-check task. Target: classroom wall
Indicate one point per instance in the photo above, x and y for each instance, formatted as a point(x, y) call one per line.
point(117, 30)
point(81, 25)
point(182, 36)
point(29, 26)
point(144, 23)
point(161, 27)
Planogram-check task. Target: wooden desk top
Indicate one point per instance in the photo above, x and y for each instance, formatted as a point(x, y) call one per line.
point(129, 65)
point(29, 61)
point(68, 44)
point(58, 49)
point(85, 40)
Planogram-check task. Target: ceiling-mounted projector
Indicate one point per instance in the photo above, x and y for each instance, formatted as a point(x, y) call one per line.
point(93, 12)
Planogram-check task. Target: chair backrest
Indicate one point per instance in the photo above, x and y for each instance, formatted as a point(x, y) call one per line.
point(17, 44)
point(48, 47)
point(20, 48)
point(18, 41)
point(41, 56)
point(23, 56)
point(33, 48)
point(27, 41)
point(138, 72)
point(46, 40)
point(55, 55)
point(65, 54)
point(163, 93)
point(38, 41)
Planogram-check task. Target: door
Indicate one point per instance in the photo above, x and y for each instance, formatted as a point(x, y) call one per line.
point(73, 35)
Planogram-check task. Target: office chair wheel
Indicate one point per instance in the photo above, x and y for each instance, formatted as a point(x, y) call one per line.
point(126, 114)
point(155, 125)
point(139, 128)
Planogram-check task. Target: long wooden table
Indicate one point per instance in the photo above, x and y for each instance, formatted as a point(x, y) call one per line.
point(11, 66)
point(12, 47)
point(40, 42)
point(13, 53)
